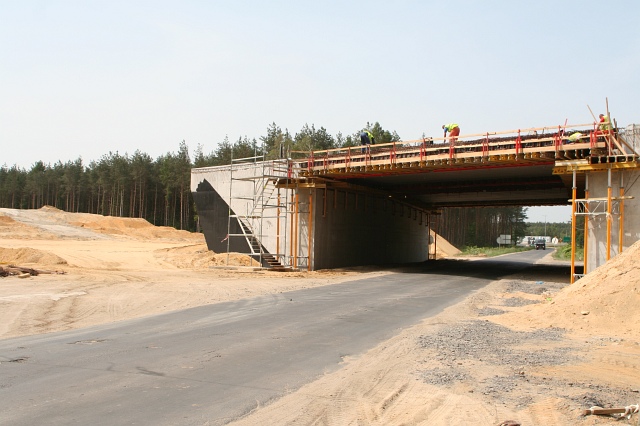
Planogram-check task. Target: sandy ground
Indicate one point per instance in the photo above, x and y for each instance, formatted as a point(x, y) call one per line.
point(522, 349)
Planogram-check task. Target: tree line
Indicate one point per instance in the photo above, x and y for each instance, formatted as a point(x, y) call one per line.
point(482, 226)
point(158, 190)
point(115, 185)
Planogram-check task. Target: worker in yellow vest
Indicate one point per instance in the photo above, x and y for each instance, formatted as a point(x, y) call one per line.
point(366, 139)
point(605, 124)
point(575, 137)
point(454, 131)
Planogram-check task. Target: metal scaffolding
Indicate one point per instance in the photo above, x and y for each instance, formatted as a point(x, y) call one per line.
point(265, 204)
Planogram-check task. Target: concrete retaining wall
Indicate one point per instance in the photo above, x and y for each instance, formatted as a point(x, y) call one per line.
point(345, 228)
point(215, 194)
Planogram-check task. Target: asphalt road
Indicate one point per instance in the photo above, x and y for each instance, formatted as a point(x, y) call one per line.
point(213, 364)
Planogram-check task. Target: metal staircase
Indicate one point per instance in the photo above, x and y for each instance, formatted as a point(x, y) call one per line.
point(262, 202)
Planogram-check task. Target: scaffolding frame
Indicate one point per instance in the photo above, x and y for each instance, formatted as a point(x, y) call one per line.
point(295, 210)
point(265, 201)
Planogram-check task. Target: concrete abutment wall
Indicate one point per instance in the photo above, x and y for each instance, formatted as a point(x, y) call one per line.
point(328, 227)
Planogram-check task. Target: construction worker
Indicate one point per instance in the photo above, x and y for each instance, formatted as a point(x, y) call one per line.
point(575, 137)
point(366, 139)
point(604, 125)
point(454, 131)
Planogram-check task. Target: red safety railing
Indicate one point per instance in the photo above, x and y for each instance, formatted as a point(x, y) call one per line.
point(557, 139)
point(310, 164)
point(392, 154)
point(485, 145)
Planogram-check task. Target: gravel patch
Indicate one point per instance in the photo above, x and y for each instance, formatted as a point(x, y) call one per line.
point(533, 287)
point(497, 385)
point(519, 390)
point(460, 353)
point(514, 302)
point(493, 343)
point(439, 376)
point(489, 311)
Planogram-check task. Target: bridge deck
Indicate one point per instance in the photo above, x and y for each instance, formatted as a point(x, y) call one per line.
point(421, 155)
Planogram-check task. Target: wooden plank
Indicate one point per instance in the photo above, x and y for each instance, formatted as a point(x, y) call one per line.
point(598, 410)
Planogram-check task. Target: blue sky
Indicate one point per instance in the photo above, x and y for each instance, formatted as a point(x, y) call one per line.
point(81, 78)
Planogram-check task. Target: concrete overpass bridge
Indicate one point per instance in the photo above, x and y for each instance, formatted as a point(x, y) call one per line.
point(506, 168)
point(354, 206)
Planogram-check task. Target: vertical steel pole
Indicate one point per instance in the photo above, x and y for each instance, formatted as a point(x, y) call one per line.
point(230, 195)
point(278, 225)
point(291, 233)
point(609, 213)
point(573, 229)
point(310, 229)
point(285, 225)
point(621, 216)
point(295, 245)
point(586, 224)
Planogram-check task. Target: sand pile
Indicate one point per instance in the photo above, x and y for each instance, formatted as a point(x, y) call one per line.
point(51, 223)
point(6, 221)
point(604, 302)
point(443, 247)
point(29, 256)
point(10, 228)
point(198, 256)
point(132, 227)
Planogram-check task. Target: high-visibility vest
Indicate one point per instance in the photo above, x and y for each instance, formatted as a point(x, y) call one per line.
point(574, 137)
point(370, 136)
point(451, 126)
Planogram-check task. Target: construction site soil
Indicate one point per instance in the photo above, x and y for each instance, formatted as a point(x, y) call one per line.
point(523, 348)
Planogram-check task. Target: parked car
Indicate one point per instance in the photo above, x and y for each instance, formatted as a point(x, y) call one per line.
point(541, 243)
